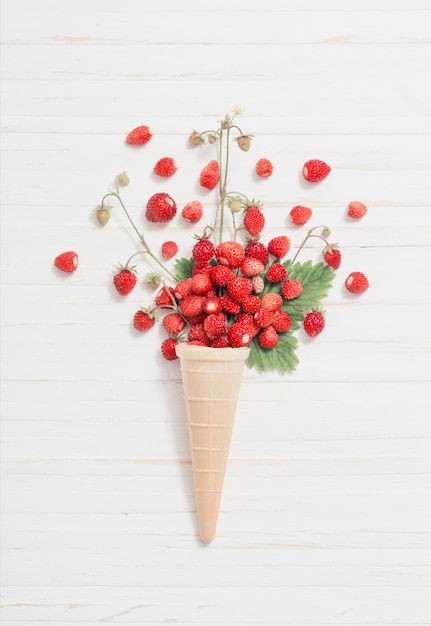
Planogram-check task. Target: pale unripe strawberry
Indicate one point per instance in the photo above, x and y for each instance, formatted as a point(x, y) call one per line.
point(103, 214)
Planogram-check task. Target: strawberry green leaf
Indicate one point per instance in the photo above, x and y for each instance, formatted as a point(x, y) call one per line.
point(281, 358)
point(183, 268)
point(316, 282)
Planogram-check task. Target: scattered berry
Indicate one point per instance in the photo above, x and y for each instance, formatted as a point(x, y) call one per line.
point(169, 249)
point(192, 212)
point(332, 256)
point(210, 175)
point(299, 215)
point(124, 281)
point(139, 136)
point(314, 323)
point(279, 246)
point(264, 168)
point(254, 220)
point(165, 167)
point(161, 208)
point(143, 321)
point(168, 348)
point(315, 170)
point(356, 282)
point(356, 209)
point(66, 261)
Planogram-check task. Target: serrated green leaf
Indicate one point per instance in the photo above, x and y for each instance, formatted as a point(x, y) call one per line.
point(281, 358)
point(183, 268)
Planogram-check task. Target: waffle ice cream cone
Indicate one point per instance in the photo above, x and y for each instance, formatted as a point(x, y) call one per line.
point(211, 380)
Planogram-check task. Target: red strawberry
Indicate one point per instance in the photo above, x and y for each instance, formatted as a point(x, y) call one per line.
point(221, 275)
point(299, 215)
point(249, 322)
point(239, 335)
point(160, 208)
point(165, 298)
point(197, 333)
point(169, 249)
point(230, 253)
point(143, 321)
point(221, 342)
point(276, 273)
point(332, 256)
point(165, 167)
point(263, 317)
point(251, 267)
point(229, 305)
point(191, 306)
point(168, 349)
point(281, 321)
point(139, 136)
point(192, 212)
point(254, 220)
point(212, 304)
point(314, 323)
point(315, 170)
point(264, 168)
point(202, 269)
point(203, 251)
point(66, 261)
point(291, 288)
point(268, 337)
point(251, 304)
point(257, 250)
point(356, 282)
point(201, 284)
point(124, 281)
point(183, 288)
point(279, 246)
point(210, 175)
point(173, 323)
point(215, 325)
point(356, 209)
point(239, 287)
point(271, 300)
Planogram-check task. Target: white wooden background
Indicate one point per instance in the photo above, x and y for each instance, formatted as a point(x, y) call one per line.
point(326, 512)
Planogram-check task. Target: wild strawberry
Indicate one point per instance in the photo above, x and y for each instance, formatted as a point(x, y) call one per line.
point(356, 282)
point(268, 337)
point(124, 281)
point(263, 317)
point(165, 167)
point(197, 333)
point(258, 284)
point(291, 289)
point(169, 249)
point(212, 304)
point(201, 284)
point(281, 321)
point(314, 323)
point(173, 323)
point(197, 342)
point(196, 139)
point(139, 136)
point(264, 168)
point(276, 273)
point(239, 287)
point(239, 335)
point(315, 170)
point(142, 320)
point(165, 298)
point(161, 208)
point(195, 320)
point(221, 275)
point(192, 211)
point(244, 142)
point(221, 342)
point(66, 261)
point(271, 300)
point(257, 250)
point(183, 289)
point(229, 305)
point(122, 179)
point(215, 325)
point(332, 256)
point(191, 306)
point(203, 251)
point(254, 220)
point(247, 321)
point(202, 269)
point(230, 253)
point(279, 246)
point(251, 304)
point(168, 349)
point(251, 267)
point(103, 215)
point(210, 175)
point(299, 215)
point(356, 209)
